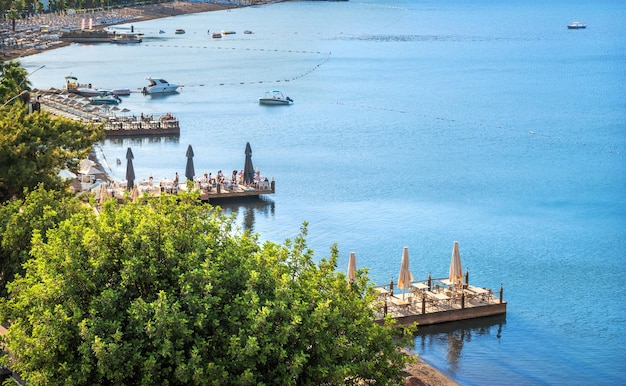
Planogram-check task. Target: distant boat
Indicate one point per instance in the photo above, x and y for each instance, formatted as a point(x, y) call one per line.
point(160, 86)
point(576, 25)
point(126, 39)
point(217, 35)
point(248, 32)
point(224, 32)
point(275, 98)
point(179, 31)
point(161, 31)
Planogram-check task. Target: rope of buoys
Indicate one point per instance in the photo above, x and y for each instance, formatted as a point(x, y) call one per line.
point(249, 82)
point(144, 44)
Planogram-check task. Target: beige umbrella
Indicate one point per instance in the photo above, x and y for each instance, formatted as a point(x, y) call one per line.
point(405, 277)
point(134, 193)
point(456, 270)
point(352, 268)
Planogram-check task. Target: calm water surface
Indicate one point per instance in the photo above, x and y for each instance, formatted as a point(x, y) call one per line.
point(416, 124)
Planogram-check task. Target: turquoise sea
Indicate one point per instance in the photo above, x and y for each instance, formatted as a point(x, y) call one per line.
point(415, 123)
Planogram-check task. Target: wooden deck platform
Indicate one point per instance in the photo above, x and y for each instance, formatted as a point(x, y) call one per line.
point(207, 194)
point(440, 305)
point(73, 106)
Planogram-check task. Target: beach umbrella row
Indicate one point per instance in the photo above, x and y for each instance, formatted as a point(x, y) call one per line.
point(405, 277)
point(189, 167)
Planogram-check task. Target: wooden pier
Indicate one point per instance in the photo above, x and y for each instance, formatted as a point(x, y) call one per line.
point(78, 108)
point(208, 192)
point(442, 303)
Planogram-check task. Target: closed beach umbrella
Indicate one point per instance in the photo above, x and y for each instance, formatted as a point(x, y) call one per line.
point(248, 169)
point(352, 268)
point(130, 170)
point(189, 169)
point(405, 277)
point(456, 270)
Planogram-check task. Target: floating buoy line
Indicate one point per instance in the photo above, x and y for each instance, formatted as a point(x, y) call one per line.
point(315, 67)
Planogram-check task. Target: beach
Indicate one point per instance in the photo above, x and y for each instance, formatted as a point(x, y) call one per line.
point(34, 41)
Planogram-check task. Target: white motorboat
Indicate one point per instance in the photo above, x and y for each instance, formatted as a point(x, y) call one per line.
point(275, 98)
point(159, 86)
point(576, 25)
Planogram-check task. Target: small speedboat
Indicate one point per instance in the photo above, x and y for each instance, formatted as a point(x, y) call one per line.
point(161, 31)
point(105, 99)
point(576, 25)
point(217, 35)
point(275, 98)
point(179, 31)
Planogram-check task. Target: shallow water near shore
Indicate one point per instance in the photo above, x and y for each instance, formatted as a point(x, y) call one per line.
point(414, 124)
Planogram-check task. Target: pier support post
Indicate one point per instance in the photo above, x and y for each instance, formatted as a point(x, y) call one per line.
point(500, 293)
point(219, 188)
point(423, 303)
point(429, 281)
point(385, 307)
point(463, 301)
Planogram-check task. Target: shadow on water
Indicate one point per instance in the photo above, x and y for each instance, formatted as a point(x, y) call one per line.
point(456, 334)
point(246, 207)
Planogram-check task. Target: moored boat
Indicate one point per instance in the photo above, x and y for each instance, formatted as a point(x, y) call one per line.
point(179, 31)
point(159, 86)
point(275, 98)
point(105, 98)
point(126, 39)
point(217, 35)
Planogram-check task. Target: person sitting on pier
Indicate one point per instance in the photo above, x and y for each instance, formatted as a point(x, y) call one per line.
point(205, 179)
point(234, 179)
point(176, 181)
point(220, 177)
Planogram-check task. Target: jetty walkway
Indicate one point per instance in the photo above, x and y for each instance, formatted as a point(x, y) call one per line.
point(208, 191)
point(76, 107)
point(435, 301)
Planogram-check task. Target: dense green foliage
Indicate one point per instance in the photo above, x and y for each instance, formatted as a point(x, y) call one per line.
point(14, 80)
point(168, 292)
point(39, 211)
point(35, 147)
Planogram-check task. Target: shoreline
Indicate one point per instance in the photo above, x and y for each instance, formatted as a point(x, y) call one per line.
point(417, 373)
point(131, 14)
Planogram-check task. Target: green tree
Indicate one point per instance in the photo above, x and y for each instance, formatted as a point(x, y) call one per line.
point(41, 210)
point(35, 147)
point(169, 292)
point(14, 80)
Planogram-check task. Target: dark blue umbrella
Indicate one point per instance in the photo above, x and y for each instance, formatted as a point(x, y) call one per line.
point(189, 169)
point(248, 169)
point(130, 170)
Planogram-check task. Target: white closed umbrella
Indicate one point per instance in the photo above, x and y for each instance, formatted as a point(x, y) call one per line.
point(405, 277)
point(352, 268)
point(456, 270)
